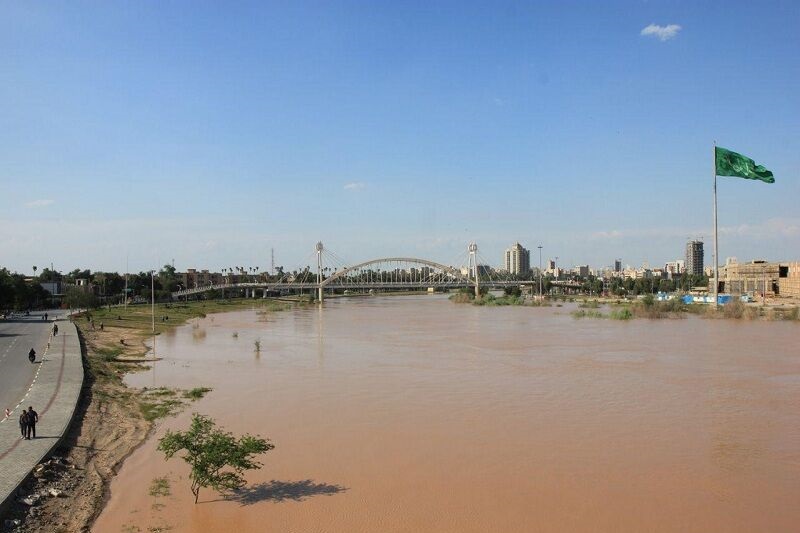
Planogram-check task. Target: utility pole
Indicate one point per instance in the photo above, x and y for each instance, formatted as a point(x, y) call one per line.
point(540, 271)
point(56, 283)
point(153, 307)
point(126, 283)
point(153, 299)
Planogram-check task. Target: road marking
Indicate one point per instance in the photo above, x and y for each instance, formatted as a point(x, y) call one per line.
point(52, 398)
point(9, 347)
point(35, 376)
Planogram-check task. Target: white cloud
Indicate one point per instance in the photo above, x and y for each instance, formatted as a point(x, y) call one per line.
point(354, 186)
point(663, 33)
point(613, 234)
point(776, 228)
point(38, 203)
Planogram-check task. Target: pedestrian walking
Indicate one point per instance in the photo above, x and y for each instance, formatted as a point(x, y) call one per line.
point(101, 326)
point(8, 413)
point(55, 330)
point(33, 417)
point(23, 423)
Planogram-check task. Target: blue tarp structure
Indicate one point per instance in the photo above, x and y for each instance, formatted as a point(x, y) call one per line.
point(722, 299)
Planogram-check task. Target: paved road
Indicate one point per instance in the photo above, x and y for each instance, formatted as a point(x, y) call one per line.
point(53, 390)
point(17, 336)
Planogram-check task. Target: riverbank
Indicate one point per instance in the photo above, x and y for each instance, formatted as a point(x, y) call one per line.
point(647, 307)
point(653, 309)
point(113, 420)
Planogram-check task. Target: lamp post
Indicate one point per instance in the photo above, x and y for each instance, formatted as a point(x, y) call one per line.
point(540, 271)
point(153, 309)
point(153, 299)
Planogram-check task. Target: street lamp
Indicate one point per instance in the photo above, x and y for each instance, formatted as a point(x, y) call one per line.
point(153, 300)
point(540, 271)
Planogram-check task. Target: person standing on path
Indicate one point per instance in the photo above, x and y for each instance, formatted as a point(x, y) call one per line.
point(33, 417)
point(55, 330)
point(23, 423)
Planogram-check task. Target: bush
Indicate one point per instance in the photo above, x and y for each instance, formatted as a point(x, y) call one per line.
point(196, 393)
point(581, 313)
point(462, 297)
point(734, 309)
point(621, 314)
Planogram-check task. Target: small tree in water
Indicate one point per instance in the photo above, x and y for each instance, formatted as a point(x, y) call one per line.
point(216, 457)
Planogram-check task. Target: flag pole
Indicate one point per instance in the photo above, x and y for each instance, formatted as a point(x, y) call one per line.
point(716, 245)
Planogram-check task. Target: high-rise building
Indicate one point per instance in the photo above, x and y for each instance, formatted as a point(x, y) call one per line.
point(694, 258)
point(617, 265)
point(517, 260)
point(674, 269)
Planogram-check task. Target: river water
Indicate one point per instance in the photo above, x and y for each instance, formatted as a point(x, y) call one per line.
point(413, 414)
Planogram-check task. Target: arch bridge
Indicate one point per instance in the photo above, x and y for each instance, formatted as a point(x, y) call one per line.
point(387, 273)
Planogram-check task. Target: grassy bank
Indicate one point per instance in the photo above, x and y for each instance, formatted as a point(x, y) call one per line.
point(490, 300)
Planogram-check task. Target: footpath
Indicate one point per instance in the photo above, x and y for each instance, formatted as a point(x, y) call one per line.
point(54, 393)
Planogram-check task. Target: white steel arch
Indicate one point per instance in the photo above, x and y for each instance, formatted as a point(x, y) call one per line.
point(412, 260)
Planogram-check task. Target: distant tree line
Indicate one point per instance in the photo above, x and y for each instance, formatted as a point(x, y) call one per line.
point(618, 286)
point(16, 294)
point(19, 292)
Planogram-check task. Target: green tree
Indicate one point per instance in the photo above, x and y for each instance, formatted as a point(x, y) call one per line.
point(168, 278)
point(79, 274)
point(512, 291)
point(77, 298)
point(17, 293)
point(47, 275)
point(217, 459)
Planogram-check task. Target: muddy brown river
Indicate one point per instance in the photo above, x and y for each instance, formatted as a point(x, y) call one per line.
point(413, 414)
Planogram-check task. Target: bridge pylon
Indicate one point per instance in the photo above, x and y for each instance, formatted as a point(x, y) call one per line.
point(320, 289)
point(473, 263)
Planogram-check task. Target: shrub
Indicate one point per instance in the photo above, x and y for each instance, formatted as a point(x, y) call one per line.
point(621, 314)
point(217, 459)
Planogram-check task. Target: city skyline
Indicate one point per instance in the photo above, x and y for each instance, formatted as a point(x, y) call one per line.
point(210, 135)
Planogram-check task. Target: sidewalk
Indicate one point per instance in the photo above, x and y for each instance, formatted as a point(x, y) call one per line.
point(54, 394)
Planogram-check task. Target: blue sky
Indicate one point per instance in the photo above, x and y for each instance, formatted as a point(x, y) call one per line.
point(209, 133)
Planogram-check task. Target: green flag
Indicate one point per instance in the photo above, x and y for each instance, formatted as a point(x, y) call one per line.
point(733, 164)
